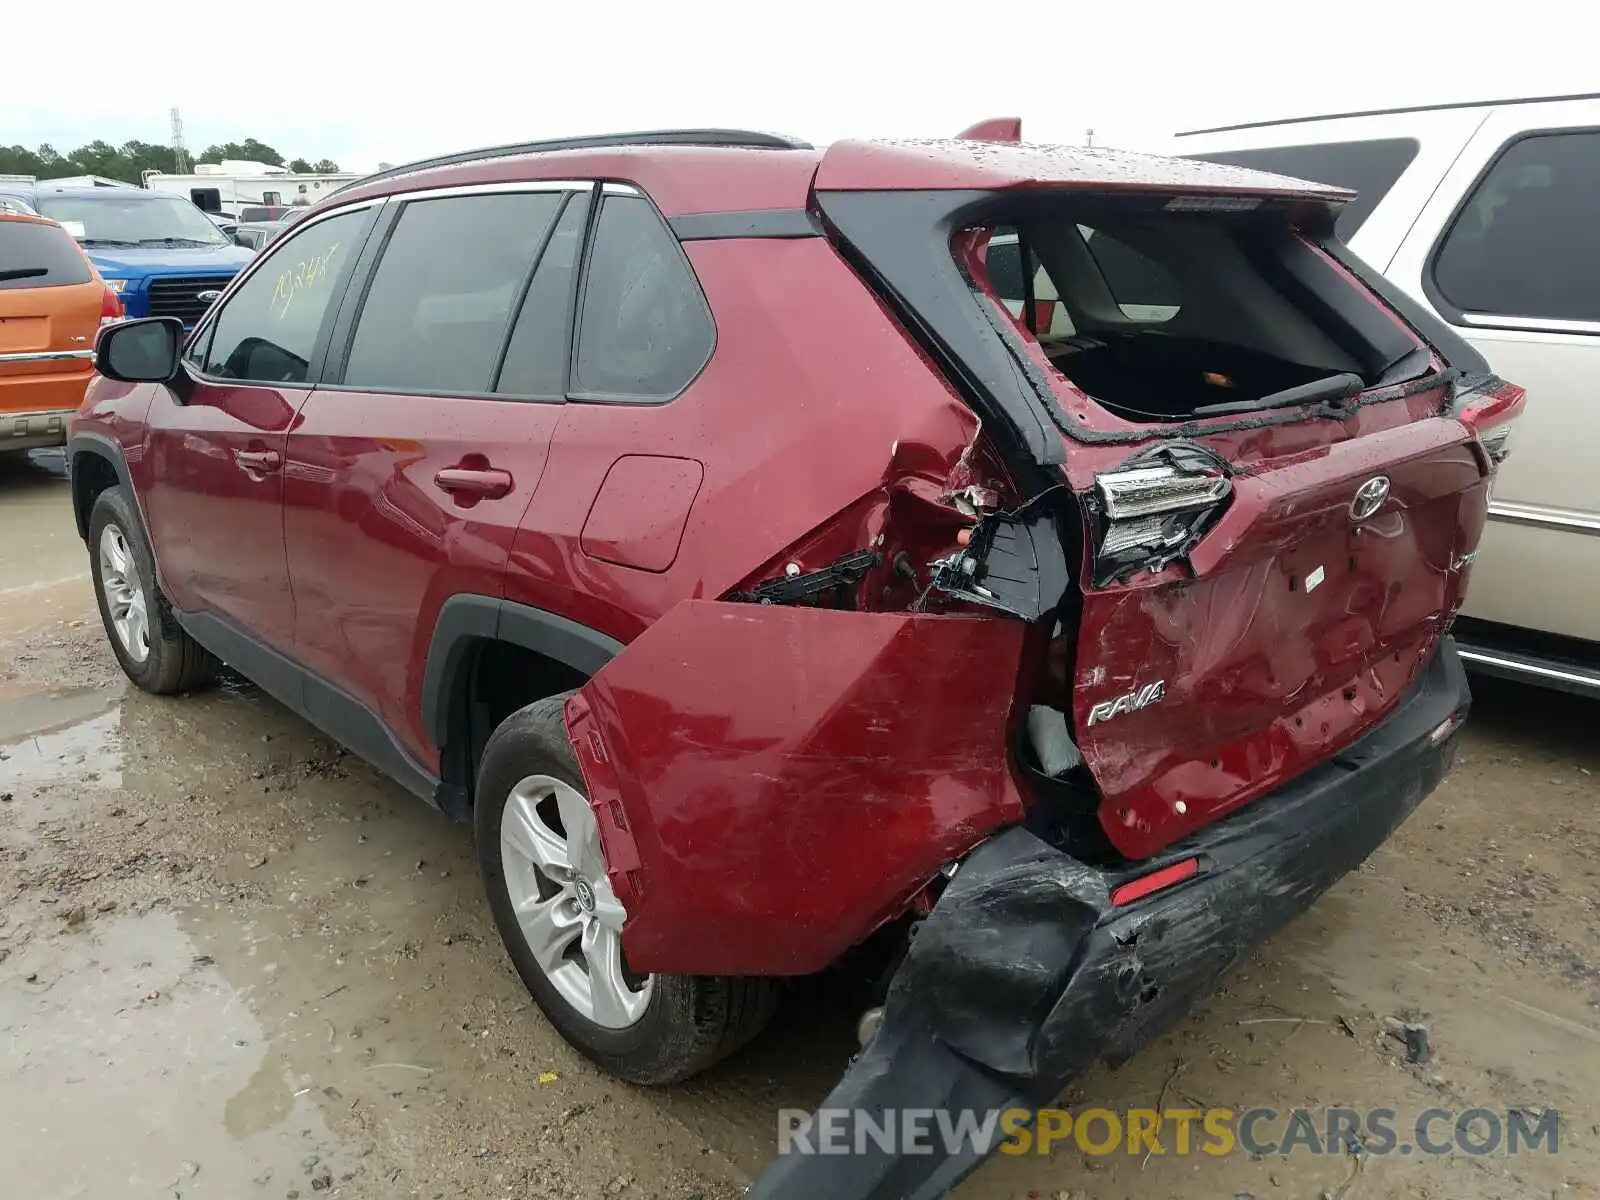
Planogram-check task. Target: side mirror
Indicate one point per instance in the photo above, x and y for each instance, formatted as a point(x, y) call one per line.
point(139, 351)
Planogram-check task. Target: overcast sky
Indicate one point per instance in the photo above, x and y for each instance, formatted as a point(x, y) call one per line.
point(362, 83)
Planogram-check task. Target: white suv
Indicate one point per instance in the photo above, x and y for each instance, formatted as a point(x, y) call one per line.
point(1484, 213)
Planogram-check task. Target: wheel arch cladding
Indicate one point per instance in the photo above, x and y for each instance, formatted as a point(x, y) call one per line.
point(94, 464)
point(467, 623)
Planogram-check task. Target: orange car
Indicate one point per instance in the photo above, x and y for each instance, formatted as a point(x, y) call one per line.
point(52, 304)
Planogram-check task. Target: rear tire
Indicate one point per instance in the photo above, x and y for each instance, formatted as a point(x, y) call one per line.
point(654, 1029)
point(153, 649)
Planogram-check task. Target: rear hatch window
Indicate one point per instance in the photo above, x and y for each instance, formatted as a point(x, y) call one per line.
point(1164, 316)
point(33, 254)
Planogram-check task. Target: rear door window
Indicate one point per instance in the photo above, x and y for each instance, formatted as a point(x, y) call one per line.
point(645, 329)
point(1524, 242)
point(439, 307)
point(33, 255)
point(1368, 168)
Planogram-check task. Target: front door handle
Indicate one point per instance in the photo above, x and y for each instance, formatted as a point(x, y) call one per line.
point(254, 461)
point(487, 483)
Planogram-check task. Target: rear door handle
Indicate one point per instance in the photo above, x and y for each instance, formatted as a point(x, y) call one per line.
point(257, 460)
point(487, 482)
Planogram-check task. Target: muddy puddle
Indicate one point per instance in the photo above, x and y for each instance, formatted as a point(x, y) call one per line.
point(234, 962)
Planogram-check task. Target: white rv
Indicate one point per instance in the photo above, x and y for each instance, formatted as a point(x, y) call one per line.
point(226, 187)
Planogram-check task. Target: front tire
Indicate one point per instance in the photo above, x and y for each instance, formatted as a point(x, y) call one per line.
point(544, 870)
point(153, 649)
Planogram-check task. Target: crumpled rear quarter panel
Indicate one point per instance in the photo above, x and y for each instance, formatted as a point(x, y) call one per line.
point(773, 782)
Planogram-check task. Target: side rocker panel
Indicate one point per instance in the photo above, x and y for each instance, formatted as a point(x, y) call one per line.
point(773, 782)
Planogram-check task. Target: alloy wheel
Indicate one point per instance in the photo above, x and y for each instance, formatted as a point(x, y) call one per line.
point(124, 593)
point(570, 918)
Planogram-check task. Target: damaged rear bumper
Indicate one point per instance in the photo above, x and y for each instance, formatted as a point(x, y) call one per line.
point(1025, 973)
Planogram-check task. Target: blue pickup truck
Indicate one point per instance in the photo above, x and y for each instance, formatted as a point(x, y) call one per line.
point(160, 253)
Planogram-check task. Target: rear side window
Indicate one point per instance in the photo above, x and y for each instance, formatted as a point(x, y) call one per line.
point(440, 304)
point(645, 330)
point(34, 255)
point(267, 330)
point(1524, 244)
point(1367, 168)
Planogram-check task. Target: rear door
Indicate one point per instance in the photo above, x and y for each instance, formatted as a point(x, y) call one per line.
point(50, 304)
point(1507, 253)
point(410, 467)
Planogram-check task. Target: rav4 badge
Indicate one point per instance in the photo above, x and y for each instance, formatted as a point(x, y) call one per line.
point(1133, 701)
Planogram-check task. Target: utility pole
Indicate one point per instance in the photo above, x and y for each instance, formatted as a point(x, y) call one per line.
point(179, 154)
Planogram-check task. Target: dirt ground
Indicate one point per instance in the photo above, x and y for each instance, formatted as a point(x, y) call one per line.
point(235, 962)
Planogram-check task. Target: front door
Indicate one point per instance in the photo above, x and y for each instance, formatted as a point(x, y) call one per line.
point(214, 504)
point(412, 464)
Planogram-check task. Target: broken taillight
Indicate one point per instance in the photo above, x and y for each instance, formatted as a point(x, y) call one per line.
point(1490, 410)
point(1155, 513)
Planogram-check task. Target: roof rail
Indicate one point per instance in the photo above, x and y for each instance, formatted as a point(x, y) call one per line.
point(1389, 112)
point(656, 137)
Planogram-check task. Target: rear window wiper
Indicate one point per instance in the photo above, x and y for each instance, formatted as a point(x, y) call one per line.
point(24, 273)
point(1331, 387)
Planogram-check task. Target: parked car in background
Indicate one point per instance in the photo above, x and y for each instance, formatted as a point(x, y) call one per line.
point(52, 302)
point(1484, 214)
point(690, 513)
point(159, 252)
point(255, 235)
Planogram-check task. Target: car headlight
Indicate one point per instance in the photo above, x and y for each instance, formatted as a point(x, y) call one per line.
point(116, 285)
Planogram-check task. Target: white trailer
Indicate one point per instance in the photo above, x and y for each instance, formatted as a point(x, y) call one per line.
point(228, 186)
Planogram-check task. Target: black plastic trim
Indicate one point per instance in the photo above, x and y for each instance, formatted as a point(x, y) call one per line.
point(329, 708)
point(1389, 112)
point(757, 223)
point(101, 447)
point(658, 137)
point(466, 620)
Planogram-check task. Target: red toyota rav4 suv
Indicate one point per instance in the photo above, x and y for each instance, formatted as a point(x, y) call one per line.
point(695, 514)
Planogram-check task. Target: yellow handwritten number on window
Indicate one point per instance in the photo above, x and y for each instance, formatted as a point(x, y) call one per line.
point(303, 276)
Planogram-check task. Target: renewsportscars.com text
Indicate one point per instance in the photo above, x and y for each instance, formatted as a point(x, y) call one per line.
point(1177, 1131)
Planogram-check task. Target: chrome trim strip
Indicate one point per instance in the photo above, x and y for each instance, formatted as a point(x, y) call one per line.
point(1544, 518)
point(489, 189)
point(619, 189)
point(1531, 324)
point(1518, 666)
point(46, 356)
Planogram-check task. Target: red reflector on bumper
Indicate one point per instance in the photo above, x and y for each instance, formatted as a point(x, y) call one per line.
point(1146, 885)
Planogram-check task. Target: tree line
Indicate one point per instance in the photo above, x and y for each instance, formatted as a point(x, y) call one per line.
point(130, 160)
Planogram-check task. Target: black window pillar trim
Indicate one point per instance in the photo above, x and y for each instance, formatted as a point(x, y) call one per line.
point(756, 223)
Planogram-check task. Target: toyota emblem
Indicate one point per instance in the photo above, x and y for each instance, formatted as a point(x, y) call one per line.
point(210, 296)
point(1369, 497)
